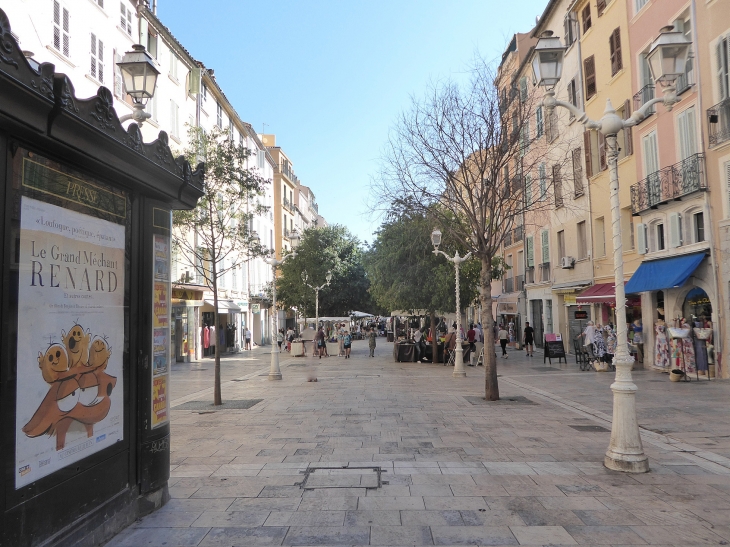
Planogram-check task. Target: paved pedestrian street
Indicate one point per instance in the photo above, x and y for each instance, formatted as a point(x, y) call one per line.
point(384, 453)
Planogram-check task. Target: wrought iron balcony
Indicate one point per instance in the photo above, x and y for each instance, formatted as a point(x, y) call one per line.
point(508, 284)
point(669, 183)
point(718, 118)
point(508, 239)
point(518, 234)
point(686, 80)
point(644, 95)
point(288, 205)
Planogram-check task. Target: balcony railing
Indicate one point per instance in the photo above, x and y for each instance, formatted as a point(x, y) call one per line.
point(718, 118)
point(509, 284)
point(288, 205)
point(545, 271)
point(508, 239)
point(644, 95)
point(669, 183)
point(286, 233)
point(289, 172)
point(518, 234)
point(519, 282)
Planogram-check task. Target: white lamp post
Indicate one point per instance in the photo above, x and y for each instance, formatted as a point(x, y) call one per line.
point(459, 371)
point(667, 59)
point(139, 76)
point(305, 278)
point(275, 371)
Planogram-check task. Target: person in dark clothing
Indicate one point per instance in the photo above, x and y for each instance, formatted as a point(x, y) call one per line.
point(529, 339)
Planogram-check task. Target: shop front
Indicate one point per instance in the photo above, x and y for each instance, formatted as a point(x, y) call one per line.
point(602, 298)
point(564, 321)
point(509, 316)
point(185, 322)
point(226, 334)
point(673, 289)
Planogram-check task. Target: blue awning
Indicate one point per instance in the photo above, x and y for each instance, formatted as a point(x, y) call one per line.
point(665, 273)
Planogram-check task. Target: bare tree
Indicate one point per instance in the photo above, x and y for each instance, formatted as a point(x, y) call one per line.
point(459, 156)
point(215, 236)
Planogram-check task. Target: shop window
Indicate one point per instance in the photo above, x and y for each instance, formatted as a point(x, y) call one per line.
point(697, 306)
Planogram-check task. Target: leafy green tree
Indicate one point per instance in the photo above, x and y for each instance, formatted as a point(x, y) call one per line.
point(215, 235)
point(332, 248)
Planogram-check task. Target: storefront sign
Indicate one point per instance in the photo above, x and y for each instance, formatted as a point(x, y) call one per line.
point(70, 329)
point(160, 329)
point(256, 308)
point(581, 314)
point(569, 299)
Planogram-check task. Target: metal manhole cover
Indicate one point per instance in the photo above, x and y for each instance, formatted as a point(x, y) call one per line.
point(595, 428)
point(342, 477)
point(239, 404)
point(512, 400)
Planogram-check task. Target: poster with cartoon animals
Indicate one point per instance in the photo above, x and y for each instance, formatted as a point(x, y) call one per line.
point(70, 338)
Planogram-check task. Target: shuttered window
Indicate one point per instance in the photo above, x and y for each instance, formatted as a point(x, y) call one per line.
point(530, 243)
point(539, 122)
point(687, 133)
point(723, 66)
point(528, 190)
point(582, 240)
point(61, 29)
point(174, 129)
point(628, 140)
point(614, 47)
point(577, 172)
point(641, 239)
point(587, 150)
point(570, 27)
point(545, 247)
point(600, 7)
point(726, 172)
point(586, 16)
point(523, 89)
point(675, 230)
point(589, 69)
point(125, 18)
point(651, 155)
point(542, 172)
point(96, 70)
point(557, 186)
point(602, 151)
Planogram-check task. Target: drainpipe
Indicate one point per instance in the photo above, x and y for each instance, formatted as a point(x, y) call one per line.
point(718, 324)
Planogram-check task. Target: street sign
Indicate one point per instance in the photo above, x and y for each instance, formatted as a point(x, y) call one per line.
point(256, 308)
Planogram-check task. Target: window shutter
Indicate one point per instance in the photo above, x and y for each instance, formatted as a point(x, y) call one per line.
point(538, 115)
point(92, 71)
point(100, 61)
point(589, 66)
point(118, 85)
point(587, 150)
point(601, 6)
point(614, 46)
point(722, 67)
point(727, 187)
point(577, 173)
point(566, 31)
point(675, 232)
point(641, 238)
point(586, 18)
point(530, 242)
point(528, 190)
point(543, 181)
point(194, 80)
point(602, 151)
point(545, 247)
point(557, 186)
point(628, 134)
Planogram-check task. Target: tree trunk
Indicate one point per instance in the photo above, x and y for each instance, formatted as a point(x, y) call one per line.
point(434, 339)
point(491, 387)
point(217, 386)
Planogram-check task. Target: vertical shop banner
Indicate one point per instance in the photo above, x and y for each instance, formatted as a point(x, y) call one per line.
point(160, 330)
point(70, 338)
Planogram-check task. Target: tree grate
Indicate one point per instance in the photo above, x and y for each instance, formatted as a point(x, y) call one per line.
point(511, 400)
point(596, 428)
point(344, 476)
point(238, 404)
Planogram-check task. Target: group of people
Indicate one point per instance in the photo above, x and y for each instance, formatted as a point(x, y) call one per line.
point(506, 336)
point(344, 340)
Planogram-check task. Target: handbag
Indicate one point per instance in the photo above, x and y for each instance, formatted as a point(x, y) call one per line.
point(702, 333)
point(675, 332)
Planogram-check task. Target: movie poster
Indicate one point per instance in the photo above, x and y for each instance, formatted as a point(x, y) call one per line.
point(70, 338)
point(160, 329)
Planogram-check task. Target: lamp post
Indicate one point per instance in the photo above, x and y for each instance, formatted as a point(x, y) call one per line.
point(275, 371)
point(305, 278)
point(667, 58)
point(139, 77)
point(459, 371)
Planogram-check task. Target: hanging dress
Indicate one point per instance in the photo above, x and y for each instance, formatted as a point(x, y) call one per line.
point(206, 338)
point(688, 350)
point(661, 353)
point(610, 341)
point(700, 349)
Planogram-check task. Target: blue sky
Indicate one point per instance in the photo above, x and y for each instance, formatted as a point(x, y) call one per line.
point(329, 77)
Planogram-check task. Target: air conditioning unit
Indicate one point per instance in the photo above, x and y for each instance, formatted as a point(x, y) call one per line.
point(567, 262)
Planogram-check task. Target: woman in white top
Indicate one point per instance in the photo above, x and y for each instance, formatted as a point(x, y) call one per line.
point(503, 336)
point(590, 334)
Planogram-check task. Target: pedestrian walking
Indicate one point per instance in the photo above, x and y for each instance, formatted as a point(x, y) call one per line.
point(529, 339)
point(347, 343)
point(417, 336)
point(280, 338)
point(248, 339)
point(320, 340)
point(340, 340)
point(503, 336)
point(371, 342)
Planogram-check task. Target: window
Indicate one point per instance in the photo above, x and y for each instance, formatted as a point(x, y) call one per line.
point(614, 47)
point(99, 3)
point(675, 230)
point(595, 152)
point(561, 244)
point(173, 66)
point(600, 7)
point(539, 124)
point(61, 29)
point(523, 89)
point(545, 244)
point(261, 156)
point(219, 115)
point(152, 44)
point(234, 278)
point(640, 4)
point(577, 172)
point(174, 128)
point(525, 137)
point(600, 236)
point(627, 229)
point(659, 237)
point(530, 245)
point(97, 59)
point(152, 108)
point(542, 172)
point(528, 190)
point(651, 154)
point(125, 18)
point(570, 26)
point(723, 66)
point(687, 133)
point(699, 225)
point(118, 82)
point(552, 125)
point(573, 94)
point(231, 129)
point(589, 70)
point(582, 240)
point(586, 15)
point(557, 187)
point(624, 138)
point(240, 140)
point(204, 92)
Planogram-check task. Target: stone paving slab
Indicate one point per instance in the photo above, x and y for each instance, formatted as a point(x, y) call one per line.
point(455, 469)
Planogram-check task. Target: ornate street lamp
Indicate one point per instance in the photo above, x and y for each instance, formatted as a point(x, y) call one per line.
point(275, 371)
point(669, 53)
point(305, 278)
point(459, 371)
point(139, 77)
